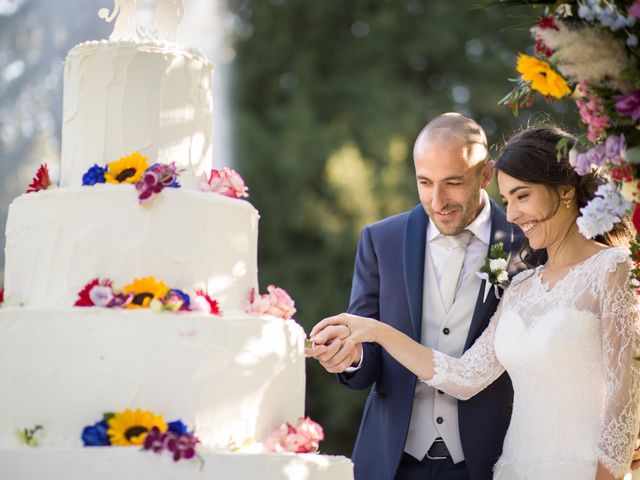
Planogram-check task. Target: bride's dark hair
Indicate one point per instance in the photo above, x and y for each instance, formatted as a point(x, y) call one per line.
point(532, 156)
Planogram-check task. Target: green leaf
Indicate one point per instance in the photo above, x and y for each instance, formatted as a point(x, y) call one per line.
point(632, 155)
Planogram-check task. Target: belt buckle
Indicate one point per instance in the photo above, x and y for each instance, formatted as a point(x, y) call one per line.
point(437, 440)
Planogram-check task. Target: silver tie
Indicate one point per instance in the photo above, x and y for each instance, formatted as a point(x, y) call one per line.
point(453, 267)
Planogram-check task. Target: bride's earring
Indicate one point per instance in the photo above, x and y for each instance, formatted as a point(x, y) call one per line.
point(567, 203)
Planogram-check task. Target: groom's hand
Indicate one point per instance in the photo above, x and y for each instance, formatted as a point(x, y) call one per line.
point(332, 351)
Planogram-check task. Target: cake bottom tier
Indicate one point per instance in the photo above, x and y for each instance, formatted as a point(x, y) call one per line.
point(104, 463)
point(230, 378)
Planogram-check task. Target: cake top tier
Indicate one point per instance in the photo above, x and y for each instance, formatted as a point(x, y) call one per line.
point(153, 46)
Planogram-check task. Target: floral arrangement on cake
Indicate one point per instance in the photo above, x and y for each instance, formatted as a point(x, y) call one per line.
point(277, 303)
point(145, 293)
point(588, 49)
point(225, 182)
point(144, 429)
point(305, 437)
point(41, 180)
point(135, 169)
point(152, 179)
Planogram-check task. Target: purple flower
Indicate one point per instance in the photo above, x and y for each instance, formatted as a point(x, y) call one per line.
point(94, 175)
point(615, 146)
point(96, 435)
point(629, 105)
point(634, 10)
point(182, 297)
point(594, 157)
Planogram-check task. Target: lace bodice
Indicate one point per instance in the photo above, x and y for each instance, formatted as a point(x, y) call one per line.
point(569, 351)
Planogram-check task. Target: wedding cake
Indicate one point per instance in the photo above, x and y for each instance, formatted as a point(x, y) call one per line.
point(131, 289)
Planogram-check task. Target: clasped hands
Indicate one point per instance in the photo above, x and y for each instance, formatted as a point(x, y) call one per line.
point(336, 342)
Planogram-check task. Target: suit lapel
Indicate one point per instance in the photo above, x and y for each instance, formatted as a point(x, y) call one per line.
point(415, 235)
point(501, 231)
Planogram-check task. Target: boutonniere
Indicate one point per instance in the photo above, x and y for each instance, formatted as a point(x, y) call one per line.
point(494, 270)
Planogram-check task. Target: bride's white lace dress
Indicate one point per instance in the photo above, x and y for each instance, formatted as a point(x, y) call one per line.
point(569, 352)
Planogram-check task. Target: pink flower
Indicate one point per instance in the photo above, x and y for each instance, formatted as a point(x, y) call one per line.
point(277, 303)
point(634, 10)
point(592, 113)
point(281, 304)
point(305, 437)
point(224, 182)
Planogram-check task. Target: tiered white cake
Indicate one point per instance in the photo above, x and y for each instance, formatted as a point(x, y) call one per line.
point(233, 377)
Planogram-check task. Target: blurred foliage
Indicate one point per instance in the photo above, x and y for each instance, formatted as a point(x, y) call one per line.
point(328, 99)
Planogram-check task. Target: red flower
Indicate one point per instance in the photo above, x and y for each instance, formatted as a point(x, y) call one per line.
point(214, 307)
point(622, 172)
point(1, 295)
point(41, 181)
point(636, 217)
point(547, 22)
point(84, 300)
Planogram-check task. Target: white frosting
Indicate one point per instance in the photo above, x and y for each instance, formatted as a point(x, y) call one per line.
point(60, 239)
point(130, 463)
point(233, 378)
point(125, 97)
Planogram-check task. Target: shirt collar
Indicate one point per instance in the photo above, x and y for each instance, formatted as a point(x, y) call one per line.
point(480, 226)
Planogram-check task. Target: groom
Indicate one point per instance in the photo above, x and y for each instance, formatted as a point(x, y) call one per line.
point(417, 272)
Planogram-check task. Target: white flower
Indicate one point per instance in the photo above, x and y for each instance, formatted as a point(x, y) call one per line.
point(502, 277)
point(602, 212)
point(497, 264)
point(101, 295)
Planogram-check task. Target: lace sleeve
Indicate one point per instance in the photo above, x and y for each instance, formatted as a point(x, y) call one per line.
point(620, 344)
point(463, 377)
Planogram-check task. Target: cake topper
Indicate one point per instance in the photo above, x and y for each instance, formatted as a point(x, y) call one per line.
point(125, 26)
point(167, 18)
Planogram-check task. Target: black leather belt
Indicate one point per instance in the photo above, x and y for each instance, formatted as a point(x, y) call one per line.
point(438, 450)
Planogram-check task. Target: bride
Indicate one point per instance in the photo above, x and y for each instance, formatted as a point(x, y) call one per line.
point(566, 332)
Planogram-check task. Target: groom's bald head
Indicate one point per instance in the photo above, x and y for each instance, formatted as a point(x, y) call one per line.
point(454, 128)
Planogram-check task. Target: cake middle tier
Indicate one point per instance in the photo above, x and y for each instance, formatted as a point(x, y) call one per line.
point(60, 239)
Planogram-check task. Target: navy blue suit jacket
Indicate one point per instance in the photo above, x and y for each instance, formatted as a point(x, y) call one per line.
point(387, 285)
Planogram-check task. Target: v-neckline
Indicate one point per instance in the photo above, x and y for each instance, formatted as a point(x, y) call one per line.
point(550, 288)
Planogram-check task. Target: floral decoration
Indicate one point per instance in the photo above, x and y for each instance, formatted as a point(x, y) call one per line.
point(128, 169)
point(142, 428)
point(277, 303)
point(41, 181)
point(28, 436)
point(144, 290)
point(148, 180)
point(177, 440)
point(305, 437)
point(494, 270)
point(156, 178)
point(130, 427)
point(224, 182)
point(145, 293)
point(592, 48)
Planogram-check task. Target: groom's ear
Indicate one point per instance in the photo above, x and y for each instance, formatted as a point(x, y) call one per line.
point(487, 173)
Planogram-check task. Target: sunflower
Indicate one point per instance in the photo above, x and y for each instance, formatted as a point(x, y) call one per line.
point(144, 290)
point(127, 170)
point(543, 78)
point(130, 427)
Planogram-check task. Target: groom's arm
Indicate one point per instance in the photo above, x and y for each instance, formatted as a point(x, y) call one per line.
point(365, 301)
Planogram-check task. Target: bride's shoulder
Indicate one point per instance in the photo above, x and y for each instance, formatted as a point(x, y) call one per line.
point(610, 258)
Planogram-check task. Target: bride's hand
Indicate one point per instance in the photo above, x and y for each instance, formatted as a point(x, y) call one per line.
point(361, 329)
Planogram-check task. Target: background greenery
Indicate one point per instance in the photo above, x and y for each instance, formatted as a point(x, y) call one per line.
point(327, 99)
